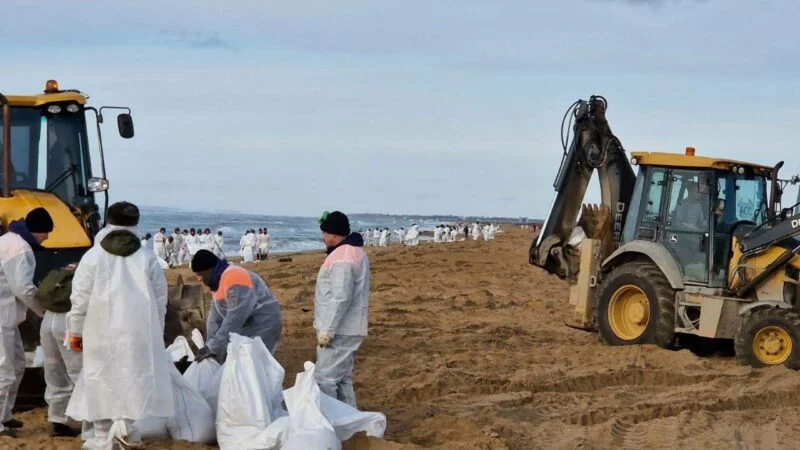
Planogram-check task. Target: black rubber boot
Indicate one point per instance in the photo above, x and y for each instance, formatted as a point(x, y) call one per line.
point(8, 432)
point(13, 424)
point(64, 430)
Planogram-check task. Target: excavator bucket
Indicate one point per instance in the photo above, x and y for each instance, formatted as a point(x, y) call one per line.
point(597, 224)
point(187, 309)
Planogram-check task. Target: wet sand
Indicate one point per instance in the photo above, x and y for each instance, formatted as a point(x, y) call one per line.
point(467, 350)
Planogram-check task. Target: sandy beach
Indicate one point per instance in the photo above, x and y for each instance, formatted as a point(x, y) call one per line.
point(467, 351)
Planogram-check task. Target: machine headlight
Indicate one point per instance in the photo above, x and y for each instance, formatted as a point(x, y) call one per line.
point(73, 108)
point(741, 170)
point(54, 109)
point(97, 185)
point(634, 161)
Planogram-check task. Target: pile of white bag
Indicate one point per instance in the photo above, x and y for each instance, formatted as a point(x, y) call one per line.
point(244, 397)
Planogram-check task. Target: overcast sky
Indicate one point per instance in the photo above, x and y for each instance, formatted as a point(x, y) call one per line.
point(446, 107)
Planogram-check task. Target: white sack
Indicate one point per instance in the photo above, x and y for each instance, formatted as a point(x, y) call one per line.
point(308, 426)
point(204, 377)
point(193, 421)
point(250, 396)
point(180, 348)
point(346, 420)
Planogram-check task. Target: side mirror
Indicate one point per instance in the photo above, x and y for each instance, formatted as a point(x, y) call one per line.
point(125, 125)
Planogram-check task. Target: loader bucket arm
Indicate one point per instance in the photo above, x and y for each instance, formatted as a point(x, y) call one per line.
point(593, 146)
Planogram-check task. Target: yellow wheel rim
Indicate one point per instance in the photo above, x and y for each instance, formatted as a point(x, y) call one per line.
point(772, 345)
point(628, 312)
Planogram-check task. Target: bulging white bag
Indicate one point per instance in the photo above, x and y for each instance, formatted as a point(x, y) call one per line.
point(193, 420)
point(250, 395)
point(204, 377)
point(345, 419)
point(180, 348)
point(308, 426)
point(348, 421)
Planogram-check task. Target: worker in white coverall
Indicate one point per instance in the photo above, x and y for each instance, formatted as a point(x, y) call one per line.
point(119, 300)
point(160, 243)
point(341, 307)
point(17, 295)
point(242, 304)
point(412, 237)
point(178, 249)
point(219, 242)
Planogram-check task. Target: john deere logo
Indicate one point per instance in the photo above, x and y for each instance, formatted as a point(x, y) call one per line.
point(673, 238)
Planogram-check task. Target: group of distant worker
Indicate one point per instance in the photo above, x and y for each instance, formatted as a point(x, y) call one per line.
point(380, 237)
point(179, 248)
point(105, 360)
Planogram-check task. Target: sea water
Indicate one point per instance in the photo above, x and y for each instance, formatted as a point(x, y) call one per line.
point(288, 234)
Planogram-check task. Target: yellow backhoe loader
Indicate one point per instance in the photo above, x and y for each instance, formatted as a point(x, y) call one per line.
point(46, 162)
point(689, 251)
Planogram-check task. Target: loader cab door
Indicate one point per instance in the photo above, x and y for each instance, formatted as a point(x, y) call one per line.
point(687, 225)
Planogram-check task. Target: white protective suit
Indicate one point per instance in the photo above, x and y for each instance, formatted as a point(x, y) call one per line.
point(219, 242)
point(159, 245)
point(17, 294)
point(247, 244)
point(341, 308)
point(437, 235)
point(376, 237)
point(476, 233)
point(491, 231)
point(263, 244)
point(446, 234)
point(383, 242)
point(485, 232)
point(368, 237)
point(119, 300)
point(192, 246)
point(62, 366)
point(178, 250)
point(453, 234)
point(412, 237)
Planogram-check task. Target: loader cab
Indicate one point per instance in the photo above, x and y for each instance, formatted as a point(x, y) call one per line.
point(693, 206)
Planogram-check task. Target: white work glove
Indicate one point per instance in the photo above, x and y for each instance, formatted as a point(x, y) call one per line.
point(324, 339)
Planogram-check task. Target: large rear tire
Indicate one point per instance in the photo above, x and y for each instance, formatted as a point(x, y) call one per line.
point(769, 337)
point(636, 305)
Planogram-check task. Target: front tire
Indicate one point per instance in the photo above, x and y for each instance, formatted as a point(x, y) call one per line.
point(769, 337)
point(636, 305)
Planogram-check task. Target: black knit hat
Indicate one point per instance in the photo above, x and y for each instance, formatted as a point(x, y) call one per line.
point(335, 223)
point(204, 260)
point(123, 214)
point(39, 221)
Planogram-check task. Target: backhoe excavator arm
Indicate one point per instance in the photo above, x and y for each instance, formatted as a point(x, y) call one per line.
point(593, 146)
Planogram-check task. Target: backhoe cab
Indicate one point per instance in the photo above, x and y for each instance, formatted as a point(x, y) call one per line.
point(690, 250)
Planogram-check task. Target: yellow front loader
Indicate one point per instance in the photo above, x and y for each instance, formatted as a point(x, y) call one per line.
point(46, 162)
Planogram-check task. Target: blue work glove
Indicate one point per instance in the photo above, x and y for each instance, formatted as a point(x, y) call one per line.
point(204, 353)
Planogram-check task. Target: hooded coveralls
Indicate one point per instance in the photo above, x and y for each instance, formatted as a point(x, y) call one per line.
point(119, 300)
point(17, 294)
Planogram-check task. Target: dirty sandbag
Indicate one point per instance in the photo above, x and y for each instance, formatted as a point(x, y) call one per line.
point(308, 426)
point(250, 395)
point(193, 420)
point(180, 349)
